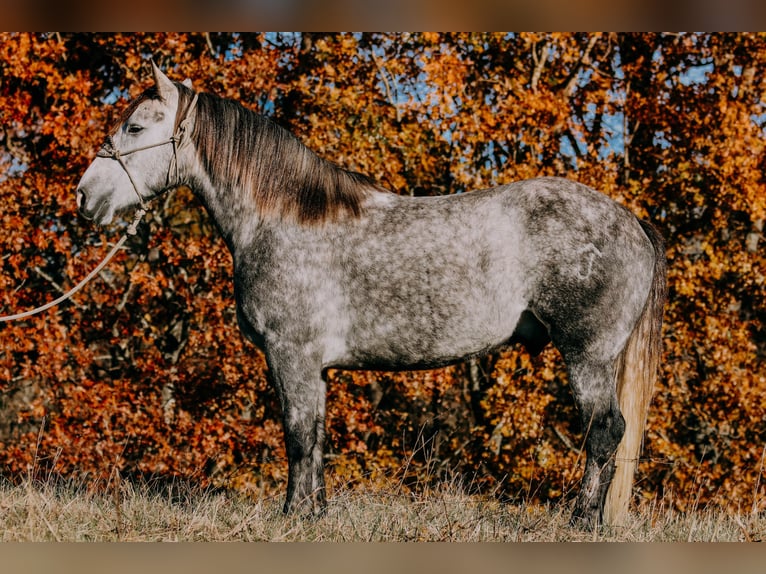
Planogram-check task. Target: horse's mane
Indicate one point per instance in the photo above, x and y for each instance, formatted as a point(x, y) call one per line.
point(247, 152)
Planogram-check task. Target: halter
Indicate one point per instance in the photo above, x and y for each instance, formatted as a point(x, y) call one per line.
point(110, 151)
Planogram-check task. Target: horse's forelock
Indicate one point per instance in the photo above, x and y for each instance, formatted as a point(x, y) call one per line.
point(148, 94)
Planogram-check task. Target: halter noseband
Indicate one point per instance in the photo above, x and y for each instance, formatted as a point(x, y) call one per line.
point(110, 151)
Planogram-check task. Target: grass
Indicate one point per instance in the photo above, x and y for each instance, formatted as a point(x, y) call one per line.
point(62, 510)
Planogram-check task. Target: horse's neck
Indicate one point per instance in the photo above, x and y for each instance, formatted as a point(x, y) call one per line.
point(232, 210)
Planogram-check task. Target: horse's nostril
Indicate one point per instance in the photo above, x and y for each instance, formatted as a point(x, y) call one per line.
point(81, 198)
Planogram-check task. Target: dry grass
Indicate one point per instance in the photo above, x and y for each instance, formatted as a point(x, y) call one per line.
point(65, 511)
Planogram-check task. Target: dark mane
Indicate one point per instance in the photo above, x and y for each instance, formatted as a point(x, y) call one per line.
point(242, 150)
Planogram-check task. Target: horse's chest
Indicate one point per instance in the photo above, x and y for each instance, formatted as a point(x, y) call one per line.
point(287, 301)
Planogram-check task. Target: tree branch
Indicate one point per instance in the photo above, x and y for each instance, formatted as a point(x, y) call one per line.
point(584, 59)
point(387, 86)
point(539, 64)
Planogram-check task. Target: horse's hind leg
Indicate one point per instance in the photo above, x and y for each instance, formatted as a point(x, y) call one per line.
point(303, 397)
point(594, 387)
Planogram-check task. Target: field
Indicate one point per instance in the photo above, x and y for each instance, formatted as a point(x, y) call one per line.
point(60, 510)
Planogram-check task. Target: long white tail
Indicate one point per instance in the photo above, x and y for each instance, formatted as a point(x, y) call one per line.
point(637, 368)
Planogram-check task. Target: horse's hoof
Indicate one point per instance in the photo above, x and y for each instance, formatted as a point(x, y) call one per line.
point(307, 508)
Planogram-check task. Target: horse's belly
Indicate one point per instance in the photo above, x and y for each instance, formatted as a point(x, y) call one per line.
point(426, 340)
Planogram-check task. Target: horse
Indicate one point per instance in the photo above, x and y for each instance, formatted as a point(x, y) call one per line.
point(331, 270)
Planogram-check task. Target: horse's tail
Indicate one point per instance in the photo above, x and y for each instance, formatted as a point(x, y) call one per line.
point(637, 370)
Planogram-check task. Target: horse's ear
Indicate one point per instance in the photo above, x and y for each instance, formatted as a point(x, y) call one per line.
point(188, 83)
point(164, 86)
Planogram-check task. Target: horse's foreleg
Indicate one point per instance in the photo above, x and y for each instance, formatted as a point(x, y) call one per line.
point(595, 393)
point(303, 397)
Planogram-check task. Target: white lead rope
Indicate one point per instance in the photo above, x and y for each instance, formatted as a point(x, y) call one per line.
point(131, 231)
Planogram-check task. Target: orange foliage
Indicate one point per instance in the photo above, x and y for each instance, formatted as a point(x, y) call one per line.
point(147, 372)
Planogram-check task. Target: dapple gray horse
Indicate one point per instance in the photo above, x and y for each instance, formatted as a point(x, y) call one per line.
point(332, 271)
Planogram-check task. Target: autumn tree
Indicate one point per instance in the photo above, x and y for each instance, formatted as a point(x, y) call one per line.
point(145, 371)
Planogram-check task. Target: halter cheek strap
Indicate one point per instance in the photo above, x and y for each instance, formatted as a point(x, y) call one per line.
point(110, 151)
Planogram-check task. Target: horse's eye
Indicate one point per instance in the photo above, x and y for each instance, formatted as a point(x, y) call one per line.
point(134, 129)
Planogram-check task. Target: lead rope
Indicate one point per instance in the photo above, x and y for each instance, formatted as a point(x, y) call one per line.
point(129, 233)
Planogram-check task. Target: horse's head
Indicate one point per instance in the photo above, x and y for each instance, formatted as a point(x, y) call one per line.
point(138, 160)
